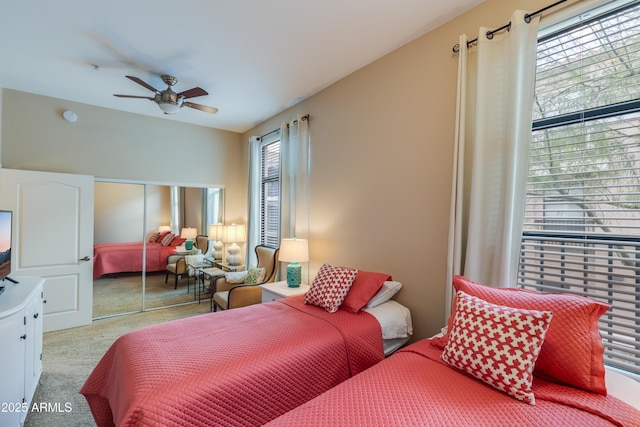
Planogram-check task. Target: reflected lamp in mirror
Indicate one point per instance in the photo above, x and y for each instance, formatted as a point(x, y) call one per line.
point(164, 228)
point(234, 234)
point(189, 233)
point(216, 233)
point(294, 251)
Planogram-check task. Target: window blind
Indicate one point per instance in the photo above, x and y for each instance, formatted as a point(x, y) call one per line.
point(582, 213)
point(270, 195)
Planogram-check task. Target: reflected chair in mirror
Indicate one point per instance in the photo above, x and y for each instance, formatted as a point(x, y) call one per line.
point(233, 295)
point(202, 243)
point(177, 265)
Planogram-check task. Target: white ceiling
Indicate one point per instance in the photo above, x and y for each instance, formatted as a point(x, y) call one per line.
point(254, 57)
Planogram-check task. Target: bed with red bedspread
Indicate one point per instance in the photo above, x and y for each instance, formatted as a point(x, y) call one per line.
point(414, 387)
point(127, 257)
point(244, 366)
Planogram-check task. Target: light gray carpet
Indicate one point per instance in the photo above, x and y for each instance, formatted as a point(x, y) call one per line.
point(70, 355)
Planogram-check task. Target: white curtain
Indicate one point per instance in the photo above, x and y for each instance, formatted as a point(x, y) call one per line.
point(493, 132)
point(295, 155)
point(253, 223)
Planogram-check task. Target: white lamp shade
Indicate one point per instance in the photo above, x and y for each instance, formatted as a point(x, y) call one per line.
point(164, 228)
point(294, 250)
point(234, 233)
point(216, 232)
point(189, 233)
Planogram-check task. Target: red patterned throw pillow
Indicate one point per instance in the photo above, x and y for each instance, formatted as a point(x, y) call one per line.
point(498, 345)
point(330, 287)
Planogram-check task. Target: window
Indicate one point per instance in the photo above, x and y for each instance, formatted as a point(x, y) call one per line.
point(582, 214)
point(270, 193)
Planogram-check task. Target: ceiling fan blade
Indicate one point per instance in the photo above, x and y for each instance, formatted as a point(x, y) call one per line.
point(192, 93)
point(204, 108)
point(134, 96)
point(141, 83)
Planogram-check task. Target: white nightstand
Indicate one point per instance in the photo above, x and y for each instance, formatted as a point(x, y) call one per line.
point(277, 290)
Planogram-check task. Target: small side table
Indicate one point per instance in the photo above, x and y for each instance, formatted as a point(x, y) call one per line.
point(211, 274)
point(227, 267)
point(278, 290)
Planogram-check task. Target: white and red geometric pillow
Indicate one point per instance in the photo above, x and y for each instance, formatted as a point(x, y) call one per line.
point(330, 287)
point(496, 344)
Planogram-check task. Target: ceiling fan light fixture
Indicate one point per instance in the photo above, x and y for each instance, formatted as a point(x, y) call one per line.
point(169, 108)
point(169, 101)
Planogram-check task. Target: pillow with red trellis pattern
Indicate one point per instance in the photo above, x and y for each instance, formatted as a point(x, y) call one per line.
point(330, 287)
point(496, 344)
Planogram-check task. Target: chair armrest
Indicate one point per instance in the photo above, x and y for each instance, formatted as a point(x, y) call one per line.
point(181, 263)
point(222, 285)
point(243, 295)
point(174, 258)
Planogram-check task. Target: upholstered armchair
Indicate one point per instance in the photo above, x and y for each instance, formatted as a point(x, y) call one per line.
point(177, 265)
point(232, 295)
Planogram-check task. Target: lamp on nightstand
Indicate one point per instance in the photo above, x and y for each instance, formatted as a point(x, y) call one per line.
point(234, 234)
point(294, 251)
point(216, 233)
point(188, 233)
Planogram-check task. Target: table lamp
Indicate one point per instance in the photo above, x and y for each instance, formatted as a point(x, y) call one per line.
point(294, 251)
point(216, 233)
point(189, 233)
point(234, 234)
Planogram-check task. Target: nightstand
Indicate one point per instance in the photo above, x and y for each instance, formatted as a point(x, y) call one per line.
point(278, 290)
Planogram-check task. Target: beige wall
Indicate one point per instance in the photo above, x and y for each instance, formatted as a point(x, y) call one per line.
point(112, 144)
point(382, 150)
point(119, 211)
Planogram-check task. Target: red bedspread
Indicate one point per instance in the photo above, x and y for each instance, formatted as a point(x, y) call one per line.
point(237, 367)
point(127, 257)
point(415, 388)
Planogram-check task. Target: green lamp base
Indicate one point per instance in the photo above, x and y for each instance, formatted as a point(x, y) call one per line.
point(188, 244)
point(294, 274)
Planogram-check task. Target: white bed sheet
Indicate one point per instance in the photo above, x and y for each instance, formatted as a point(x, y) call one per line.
point(622, 387)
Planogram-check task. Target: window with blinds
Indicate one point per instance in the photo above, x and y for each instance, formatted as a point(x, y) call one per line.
point(582, 217)
point(270, 194)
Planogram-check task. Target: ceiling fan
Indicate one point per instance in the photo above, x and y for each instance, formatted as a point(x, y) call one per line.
point(168, 100)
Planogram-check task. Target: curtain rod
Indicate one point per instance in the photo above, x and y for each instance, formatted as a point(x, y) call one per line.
point(527, 19)
point(269, 133)
point(295, 122)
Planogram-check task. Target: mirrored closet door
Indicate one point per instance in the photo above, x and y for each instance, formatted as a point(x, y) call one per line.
point(129, 221)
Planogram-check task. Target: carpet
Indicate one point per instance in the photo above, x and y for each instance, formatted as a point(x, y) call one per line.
point(69, 356)
point(122, 293)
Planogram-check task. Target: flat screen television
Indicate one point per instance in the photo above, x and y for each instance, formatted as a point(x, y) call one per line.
point(6, 218)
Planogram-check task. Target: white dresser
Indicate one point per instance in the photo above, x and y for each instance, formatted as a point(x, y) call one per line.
point(21, 349)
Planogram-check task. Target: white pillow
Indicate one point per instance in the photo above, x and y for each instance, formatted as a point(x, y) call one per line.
point(394, 319)
point(386, 292)
point(235, 276)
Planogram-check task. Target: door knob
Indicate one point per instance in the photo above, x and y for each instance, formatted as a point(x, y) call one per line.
point(86, 258)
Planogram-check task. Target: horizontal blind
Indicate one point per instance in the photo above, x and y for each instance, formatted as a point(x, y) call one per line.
point(270, 195)
point(582, 214)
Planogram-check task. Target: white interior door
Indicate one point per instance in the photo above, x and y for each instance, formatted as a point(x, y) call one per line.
point(53, 239)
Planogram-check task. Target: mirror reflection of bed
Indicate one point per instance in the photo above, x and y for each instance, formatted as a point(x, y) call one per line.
point(125, 215)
